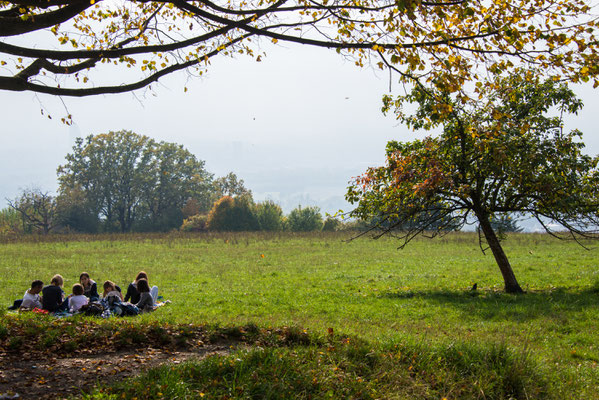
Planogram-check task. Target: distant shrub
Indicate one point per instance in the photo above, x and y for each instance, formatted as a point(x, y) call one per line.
point(191, 208)
point(332, 225)
point(503, 223)
point(233, 214)
point(270, 216)
point(10, 222)
point(304, 219)
point(220, 215)
point(195, 223)
point(355, 225)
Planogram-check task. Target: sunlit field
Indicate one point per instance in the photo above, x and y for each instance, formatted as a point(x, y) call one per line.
point(365, 288)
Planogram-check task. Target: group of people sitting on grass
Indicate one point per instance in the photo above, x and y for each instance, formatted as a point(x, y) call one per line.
point(140, 297)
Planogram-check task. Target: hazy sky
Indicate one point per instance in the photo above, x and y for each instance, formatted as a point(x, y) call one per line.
point(296, 126)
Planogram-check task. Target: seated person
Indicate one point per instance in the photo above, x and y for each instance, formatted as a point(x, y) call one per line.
point(90, 288)
point(132, 292)
point(112, 293)
point(53, 296)
point(31, 298)
point(146, 302)
point(77, 299)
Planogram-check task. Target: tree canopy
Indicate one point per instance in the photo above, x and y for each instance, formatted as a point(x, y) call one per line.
point(230, 185)
point(270, 216)
point(304, 219)
point(37, 210)
point(506, 153)
point(128, 178)
point(233, 214)
point(89, 47)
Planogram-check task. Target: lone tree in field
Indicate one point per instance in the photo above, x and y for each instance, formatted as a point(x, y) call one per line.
point(506, 153)
point(84, 47)
point(37, 210)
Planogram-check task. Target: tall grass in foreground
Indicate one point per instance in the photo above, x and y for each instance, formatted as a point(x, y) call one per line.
point(351, 370)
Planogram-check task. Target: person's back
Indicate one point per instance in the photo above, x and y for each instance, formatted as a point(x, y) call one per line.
point(51, 297)
point(76, 302)
point(113, 293)
point(132, 293)
point(146, 301)
point(78, 299)
point(31, 300)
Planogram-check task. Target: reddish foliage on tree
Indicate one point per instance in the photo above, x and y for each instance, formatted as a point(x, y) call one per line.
point(505, 153)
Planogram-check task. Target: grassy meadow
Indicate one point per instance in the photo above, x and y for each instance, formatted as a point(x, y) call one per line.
point(365, 289)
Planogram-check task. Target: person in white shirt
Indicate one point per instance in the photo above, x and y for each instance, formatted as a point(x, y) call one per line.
point(77, 299)
point(31, 298)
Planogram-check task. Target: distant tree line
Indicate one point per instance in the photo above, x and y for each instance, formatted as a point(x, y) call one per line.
point(124, 182)
point(240, 213)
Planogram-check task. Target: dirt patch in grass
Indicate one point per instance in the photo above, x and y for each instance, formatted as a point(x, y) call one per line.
point(35, 377)
point(47, 358)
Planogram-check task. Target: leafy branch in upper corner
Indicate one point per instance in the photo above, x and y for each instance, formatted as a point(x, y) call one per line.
point(83, 47)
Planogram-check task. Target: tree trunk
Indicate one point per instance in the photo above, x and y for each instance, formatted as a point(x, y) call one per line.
point(509, 279)
point(122, 221)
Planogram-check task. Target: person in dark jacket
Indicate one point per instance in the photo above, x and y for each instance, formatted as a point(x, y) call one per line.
point(52, 295)
point(132, 292)
point(90, 288)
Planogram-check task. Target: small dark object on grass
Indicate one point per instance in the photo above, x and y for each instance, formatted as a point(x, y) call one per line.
point(16, 304)
point(473, 291)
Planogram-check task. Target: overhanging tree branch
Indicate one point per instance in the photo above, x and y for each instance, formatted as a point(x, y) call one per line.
point(16, 84)
point(18, 25)
point(448, 42)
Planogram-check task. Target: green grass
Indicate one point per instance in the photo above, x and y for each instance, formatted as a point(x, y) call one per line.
point(351, 370)
point(363, 288)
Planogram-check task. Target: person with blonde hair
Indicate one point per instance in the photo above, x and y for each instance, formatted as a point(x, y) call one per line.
point(53, 296)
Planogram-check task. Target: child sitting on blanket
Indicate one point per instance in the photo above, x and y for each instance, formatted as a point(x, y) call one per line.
point(31, 298)
point(111, 294)
point(77, 299)
point(90, 288)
